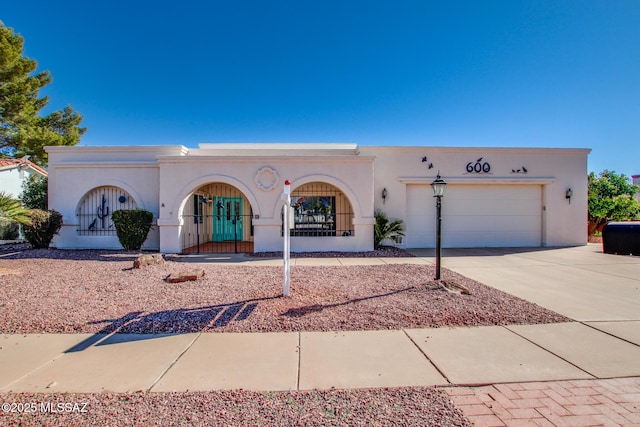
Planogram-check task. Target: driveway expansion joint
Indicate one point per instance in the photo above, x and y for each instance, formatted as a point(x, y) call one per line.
point(609, 333)
point(299, 360)
point(551, 352)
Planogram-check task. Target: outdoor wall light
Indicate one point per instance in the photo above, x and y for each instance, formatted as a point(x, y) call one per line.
point(384, 194)
point(568, 195)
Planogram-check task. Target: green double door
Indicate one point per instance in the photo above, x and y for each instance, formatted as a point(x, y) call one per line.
point(227, 219)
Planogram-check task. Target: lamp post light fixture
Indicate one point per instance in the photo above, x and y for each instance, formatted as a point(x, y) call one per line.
point(438, 186)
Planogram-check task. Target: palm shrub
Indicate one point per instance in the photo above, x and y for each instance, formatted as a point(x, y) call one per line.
point(12, 214)
point(44, 225)
point(386, 229)
point(11, 210)
point(132, 227)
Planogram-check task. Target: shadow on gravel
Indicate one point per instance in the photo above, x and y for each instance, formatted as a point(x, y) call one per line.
point(301, 311)
point(136, 325)
point(24, 251)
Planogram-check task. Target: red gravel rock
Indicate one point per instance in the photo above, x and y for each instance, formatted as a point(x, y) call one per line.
point(378, 407)
point(98, 291)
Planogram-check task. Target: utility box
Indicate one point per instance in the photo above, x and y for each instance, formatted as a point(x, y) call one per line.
point(622, 238)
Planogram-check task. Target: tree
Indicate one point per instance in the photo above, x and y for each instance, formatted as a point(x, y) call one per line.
point(611, 198)
point(385, 229)
point(22, 130)
point(35, 192)
point(11, 210)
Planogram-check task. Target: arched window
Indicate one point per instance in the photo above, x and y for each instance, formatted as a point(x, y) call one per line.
point(320, 209)
point(95, 209)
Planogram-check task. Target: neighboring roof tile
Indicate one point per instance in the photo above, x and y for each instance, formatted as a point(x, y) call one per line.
point(23, 161)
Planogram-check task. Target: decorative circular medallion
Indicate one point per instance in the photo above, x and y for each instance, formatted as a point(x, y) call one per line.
point(267, 178)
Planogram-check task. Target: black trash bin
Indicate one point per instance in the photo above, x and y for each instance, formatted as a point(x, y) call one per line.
point(622, 238)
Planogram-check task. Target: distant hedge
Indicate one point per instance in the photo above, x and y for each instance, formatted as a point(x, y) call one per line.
point(44, 225)
point(132, 227)
point(9, 231)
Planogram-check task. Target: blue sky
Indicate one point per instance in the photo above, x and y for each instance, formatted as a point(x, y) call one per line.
point(449, 73)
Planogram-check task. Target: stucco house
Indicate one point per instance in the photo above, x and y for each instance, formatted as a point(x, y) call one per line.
point(226, 197)
point(14, 172)
point(636, 181)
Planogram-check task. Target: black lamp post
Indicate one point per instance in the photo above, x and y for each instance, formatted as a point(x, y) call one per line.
point(438, 186)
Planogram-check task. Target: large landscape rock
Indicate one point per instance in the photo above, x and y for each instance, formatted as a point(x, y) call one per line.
point(185, 276)
point(148, 259)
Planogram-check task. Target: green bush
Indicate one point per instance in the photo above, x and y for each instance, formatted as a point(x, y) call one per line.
point(44, 225)
point(132, 227)
point(35, 192)
point(9, 231)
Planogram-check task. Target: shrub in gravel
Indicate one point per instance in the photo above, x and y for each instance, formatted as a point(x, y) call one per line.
point(9, 231)
point(44, 225)
point(386, 229)
point(132, 227)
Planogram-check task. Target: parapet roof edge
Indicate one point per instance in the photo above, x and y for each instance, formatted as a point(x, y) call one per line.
point(279, 146)
point(444, 148)
point(98, 148)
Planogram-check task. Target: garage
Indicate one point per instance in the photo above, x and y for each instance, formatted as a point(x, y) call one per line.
point(492, 215)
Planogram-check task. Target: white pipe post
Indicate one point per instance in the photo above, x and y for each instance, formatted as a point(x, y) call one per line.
point(286, 198)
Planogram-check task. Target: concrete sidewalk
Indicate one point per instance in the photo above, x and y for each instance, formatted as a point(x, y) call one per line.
point(318, 360)
point(584, 372)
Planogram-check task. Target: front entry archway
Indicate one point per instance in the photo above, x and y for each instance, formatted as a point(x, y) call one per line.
point(218, 218)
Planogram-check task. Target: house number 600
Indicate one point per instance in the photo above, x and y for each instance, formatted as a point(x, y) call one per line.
point(478, 166)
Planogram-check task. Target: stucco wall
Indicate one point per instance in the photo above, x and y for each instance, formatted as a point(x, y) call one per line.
point(13, 177)
point(161, 179)
point(556, 170)
point(11, 181)
point(181, 175)
point(75, 171)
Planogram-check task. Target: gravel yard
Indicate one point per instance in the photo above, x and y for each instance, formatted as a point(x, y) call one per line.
point(47, 291)
point(380, 407)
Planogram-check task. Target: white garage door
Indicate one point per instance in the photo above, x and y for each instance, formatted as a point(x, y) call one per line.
point(476, 216)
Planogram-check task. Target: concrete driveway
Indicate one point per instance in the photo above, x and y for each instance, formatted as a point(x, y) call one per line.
point(581, 282)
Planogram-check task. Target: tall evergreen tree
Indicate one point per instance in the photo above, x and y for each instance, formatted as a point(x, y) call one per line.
point(22, 130)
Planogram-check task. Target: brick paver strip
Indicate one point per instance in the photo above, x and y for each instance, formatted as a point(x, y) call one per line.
point(610, 402)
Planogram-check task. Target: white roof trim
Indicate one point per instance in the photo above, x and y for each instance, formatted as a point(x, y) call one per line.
point(278, 146)
point(479, 180)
